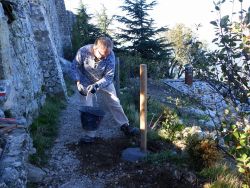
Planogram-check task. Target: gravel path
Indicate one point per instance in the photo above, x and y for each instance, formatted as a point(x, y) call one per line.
point(99, 165)
point(64, 168)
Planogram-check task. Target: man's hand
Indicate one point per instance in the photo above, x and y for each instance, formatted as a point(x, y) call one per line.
point(92, 88)
point(83, 91)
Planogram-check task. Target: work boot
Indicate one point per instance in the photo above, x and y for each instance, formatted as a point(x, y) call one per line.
point(129, 130)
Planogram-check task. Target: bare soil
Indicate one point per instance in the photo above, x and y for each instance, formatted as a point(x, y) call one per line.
point(102, 159)
point(74, 164)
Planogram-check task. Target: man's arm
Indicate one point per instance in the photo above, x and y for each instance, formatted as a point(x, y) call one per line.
point(109, 72)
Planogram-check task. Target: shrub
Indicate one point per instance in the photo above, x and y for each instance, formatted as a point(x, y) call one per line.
point(170, 124)
point(202, 152)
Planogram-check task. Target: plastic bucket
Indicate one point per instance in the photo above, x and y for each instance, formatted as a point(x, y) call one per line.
point(91, 117)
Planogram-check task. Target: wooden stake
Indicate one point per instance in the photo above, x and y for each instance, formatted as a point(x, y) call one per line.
point(143, 106)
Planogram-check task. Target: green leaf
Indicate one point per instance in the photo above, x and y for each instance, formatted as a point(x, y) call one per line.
point(214, 23)
point(241, 170)
point(236, 135)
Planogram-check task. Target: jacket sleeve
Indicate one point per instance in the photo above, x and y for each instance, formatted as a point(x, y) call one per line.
point(108, 73)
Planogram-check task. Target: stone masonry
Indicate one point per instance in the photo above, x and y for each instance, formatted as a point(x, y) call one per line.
point(30, 51)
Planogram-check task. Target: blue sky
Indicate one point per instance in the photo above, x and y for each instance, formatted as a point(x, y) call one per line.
point(170, 12)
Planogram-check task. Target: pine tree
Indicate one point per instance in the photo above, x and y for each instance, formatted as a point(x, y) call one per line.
point(139, 36)
point(103, 21)
point(83, 32)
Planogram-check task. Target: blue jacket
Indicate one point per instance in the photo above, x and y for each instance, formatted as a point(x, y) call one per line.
point(87, 71)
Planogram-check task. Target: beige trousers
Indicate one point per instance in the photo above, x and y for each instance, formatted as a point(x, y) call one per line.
point(111, 101)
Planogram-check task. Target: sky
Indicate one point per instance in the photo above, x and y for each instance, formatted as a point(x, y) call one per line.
point(170, 12)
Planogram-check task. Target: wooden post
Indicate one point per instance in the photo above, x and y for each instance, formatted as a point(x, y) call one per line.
point(117, 76)
point(143, 106)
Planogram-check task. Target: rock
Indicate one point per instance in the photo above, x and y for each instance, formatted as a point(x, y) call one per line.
point(133, 154)
point(35, 174)
point(66, 66)
point(190, 177)
point(1, 114)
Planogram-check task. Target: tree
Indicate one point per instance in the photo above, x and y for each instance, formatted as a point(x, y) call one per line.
point(231, 55)
point(139, 36)
point(103, 21)
point(186, 49)
point(83, 32)
point(180, 36)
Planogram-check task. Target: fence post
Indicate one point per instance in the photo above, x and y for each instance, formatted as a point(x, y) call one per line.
point(143, 106)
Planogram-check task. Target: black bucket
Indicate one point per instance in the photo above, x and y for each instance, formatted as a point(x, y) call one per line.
point(91, 117)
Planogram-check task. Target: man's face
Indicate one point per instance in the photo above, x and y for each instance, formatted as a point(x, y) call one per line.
point(101, 52)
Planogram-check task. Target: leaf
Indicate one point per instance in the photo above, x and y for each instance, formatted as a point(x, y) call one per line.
point(214, 23)
point(239, 147)
point(236, 135)
point(241, 170)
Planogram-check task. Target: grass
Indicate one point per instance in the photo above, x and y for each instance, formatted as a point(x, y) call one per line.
point(69, 85)
point(217, 176)
point(44, 130)
point(163, 156)
point(221, 176)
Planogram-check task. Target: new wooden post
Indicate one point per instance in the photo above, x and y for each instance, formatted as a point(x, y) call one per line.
point(143, 106)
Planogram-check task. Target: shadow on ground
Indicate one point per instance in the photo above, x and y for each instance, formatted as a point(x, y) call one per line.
point(102, 159)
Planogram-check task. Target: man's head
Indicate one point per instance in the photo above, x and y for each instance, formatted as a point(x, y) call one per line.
point(102, 47)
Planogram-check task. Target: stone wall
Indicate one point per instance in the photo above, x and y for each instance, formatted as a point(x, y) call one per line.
point(65, 25)
point(30, 51)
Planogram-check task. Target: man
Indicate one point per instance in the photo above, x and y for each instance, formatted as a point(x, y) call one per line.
point(93, 71)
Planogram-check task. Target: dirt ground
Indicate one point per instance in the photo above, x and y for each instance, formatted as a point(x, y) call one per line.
point(103, 159)
point(74, 164)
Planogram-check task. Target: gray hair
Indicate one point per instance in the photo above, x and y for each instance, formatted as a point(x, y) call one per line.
point(104, 41)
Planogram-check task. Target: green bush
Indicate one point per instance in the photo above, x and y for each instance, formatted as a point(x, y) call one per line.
point(170, 124)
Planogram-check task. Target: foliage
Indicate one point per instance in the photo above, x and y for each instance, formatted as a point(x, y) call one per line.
point(130, 102)
point(179, 36)
point(170, 124)
point(70, 84)
point(103, 21)
point(44, 129)
point(231, 55)
point(202, 152)
point(167, 123)
point(167, 155)
point(221, 176)
point(139, 36)
point(155, 110)
point(189, 50)
point(130, 68)
point(83, 32)
point(237, 138)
